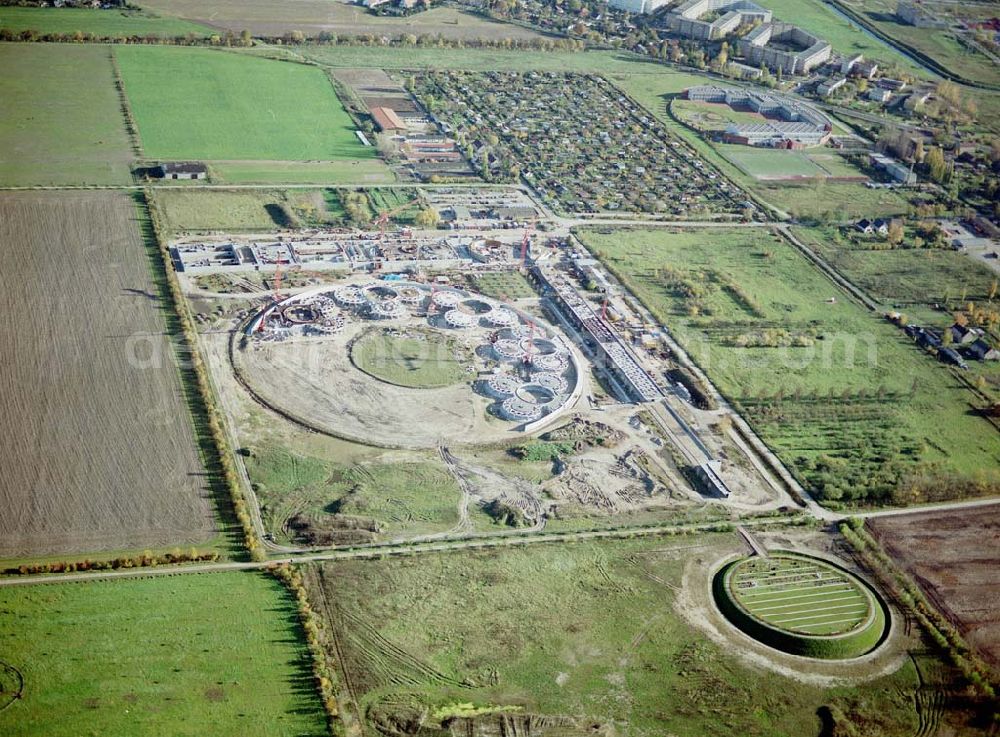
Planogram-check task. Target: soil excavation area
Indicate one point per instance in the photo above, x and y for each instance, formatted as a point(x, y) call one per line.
point(98, 444)
point(315, 382)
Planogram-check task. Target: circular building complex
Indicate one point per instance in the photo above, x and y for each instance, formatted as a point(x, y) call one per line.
point(802, 605)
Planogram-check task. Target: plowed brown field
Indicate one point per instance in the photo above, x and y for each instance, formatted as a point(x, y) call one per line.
point(955, 557)
point(97, 444)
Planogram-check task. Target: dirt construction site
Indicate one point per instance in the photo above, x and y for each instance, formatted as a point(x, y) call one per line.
point(533, 405)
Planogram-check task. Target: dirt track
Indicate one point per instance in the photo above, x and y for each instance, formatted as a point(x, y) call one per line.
point(955, 557)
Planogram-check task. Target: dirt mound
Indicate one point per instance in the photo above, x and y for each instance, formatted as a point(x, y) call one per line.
point(332, 530)
point(585, 434)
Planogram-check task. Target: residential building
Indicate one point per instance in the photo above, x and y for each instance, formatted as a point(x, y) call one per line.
point(767, 45)
point(728, 16)
point(180, 170)
point(828, 87)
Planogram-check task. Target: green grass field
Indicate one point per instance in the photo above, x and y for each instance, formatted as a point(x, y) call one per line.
point(763, 163)
point(203, 104)
point(220, 654)
point(100, 23)
point(903, 277)
point(407, 495)
point(585, 633)
point(843, 396)
point(799, 595)
point(193, 208)
point(418, 359)
point(62, 123)
point(389, 200)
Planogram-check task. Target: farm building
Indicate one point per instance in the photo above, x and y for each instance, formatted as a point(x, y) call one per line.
point(387, 120)
point(878, 94)
point(728, 16)
point(980, 350)
point(900, 172)
point(950, 355)
point(785, 47)
point(180, 170)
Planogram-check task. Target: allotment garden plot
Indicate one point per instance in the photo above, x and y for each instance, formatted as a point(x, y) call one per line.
point(578, 140)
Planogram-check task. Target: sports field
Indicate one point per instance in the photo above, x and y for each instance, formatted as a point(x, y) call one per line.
point(800, 595)
point(97, 22)
point(61, 121)
point(203, 104)
point(801, 200)
point(218, 654)
point(764, 163)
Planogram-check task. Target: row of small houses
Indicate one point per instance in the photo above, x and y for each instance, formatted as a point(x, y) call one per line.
point(962, 342)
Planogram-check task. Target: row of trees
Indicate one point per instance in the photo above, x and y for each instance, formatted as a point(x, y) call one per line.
point(222, 453)
point(323, 671)
point(30, 35)
point(144, 560)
